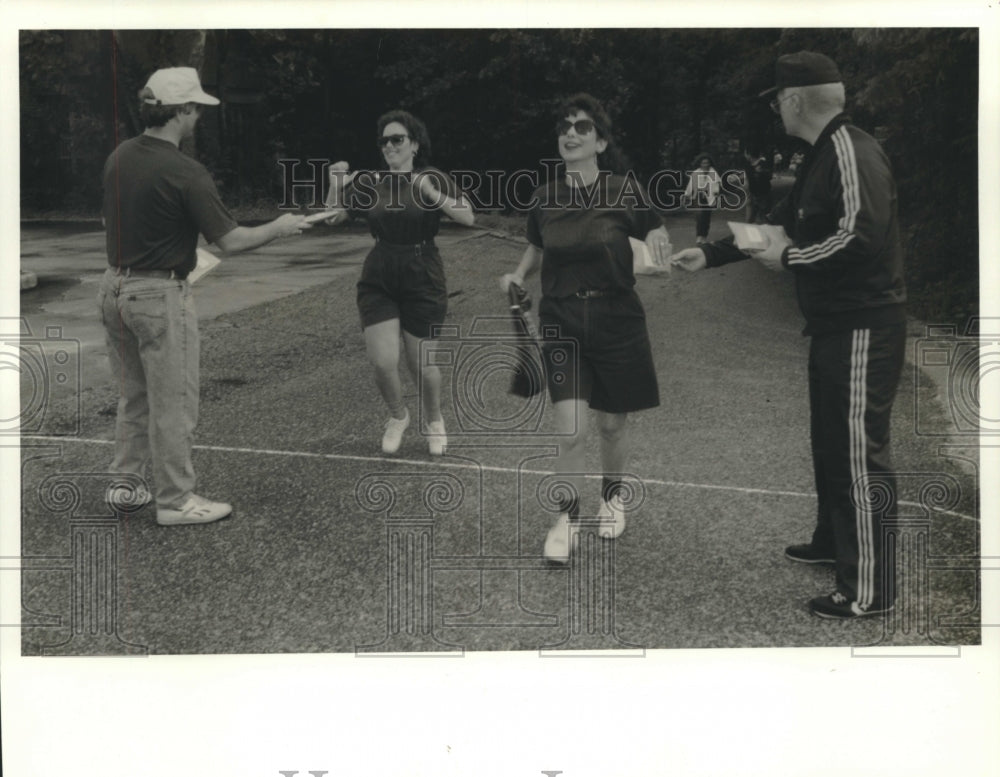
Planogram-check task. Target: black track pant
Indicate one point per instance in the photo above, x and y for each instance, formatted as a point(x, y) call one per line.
point(853, 377)
point(702, 222)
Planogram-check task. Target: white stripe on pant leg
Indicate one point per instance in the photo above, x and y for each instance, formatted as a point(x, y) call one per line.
point(855, 438)
point(866, 558)
point(871, 562)
point(852, 432)
point(859, 465)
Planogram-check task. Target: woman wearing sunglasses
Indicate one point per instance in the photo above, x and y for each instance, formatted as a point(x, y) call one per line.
point(578, 234)
point(402, 288)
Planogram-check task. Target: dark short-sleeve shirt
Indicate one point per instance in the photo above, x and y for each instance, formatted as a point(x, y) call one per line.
point(157, 200)
point(395, 212)
point(584, 233)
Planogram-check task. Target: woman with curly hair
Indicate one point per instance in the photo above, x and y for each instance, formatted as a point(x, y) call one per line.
point(578, 234)
point(402, 290)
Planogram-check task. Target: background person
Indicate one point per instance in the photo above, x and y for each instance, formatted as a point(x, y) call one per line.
point(702, 195)
point(843, 248)
point(578, 233)
point(402, 290)
point(758, 189)
point(156, 202)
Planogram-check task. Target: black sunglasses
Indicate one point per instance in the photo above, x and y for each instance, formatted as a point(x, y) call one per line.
point(580, 126)
point(396, 140)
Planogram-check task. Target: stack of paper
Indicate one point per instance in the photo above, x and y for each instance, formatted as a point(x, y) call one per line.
point(756, 237)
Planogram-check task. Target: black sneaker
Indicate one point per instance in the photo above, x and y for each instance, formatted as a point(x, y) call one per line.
point(807, 554)
point(838, 606)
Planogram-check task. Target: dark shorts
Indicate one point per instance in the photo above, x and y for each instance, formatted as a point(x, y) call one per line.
point(598, 350)
point(404, 282)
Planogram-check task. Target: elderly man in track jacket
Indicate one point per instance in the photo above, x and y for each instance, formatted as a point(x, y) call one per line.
point(841, 241)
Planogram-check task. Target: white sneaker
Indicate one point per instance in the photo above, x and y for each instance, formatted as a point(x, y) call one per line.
point(560, 540)
point(124, 498)
point(612, 518)
point(437, 440)
point(392, 438)
point(197, 509)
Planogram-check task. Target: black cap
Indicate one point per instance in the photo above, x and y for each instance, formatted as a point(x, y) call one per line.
point(806, 68)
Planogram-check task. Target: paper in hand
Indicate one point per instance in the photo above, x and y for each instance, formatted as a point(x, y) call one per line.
point(756, 237)
point(322, 215)
point(207, 261)
point(643, 262)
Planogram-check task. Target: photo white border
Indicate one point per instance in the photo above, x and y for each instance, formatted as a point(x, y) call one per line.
point(720, 712)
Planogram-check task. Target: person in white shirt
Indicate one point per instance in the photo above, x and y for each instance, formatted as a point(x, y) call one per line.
point(702, 195)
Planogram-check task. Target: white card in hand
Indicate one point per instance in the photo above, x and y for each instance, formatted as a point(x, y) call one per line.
point(756, 237)
point(322, 215)
point(643, 262)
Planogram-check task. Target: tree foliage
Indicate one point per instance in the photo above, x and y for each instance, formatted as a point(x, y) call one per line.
point(487, 97)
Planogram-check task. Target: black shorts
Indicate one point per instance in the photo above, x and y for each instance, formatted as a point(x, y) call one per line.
point(597, 350)
point(404, 282)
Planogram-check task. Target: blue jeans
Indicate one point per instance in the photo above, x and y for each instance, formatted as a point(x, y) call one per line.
point(151, 330)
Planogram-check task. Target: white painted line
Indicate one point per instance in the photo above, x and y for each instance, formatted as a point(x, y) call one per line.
point(444, 463)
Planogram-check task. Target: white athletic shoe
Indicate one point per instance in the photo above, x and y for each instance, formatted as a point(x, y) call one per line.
point(561, 539)
point(437, 440)
point(612, 518)
point(197, 509)
point(392, 438)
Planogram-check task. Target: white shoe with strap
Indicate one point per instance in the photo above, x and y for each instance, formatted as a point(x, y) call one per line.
point(195, 509)
point(437, 439)
point(561, 539)
point(392, 438)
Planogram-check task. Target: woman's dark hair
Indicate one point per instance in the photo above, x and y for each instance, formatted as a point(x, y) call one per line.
point(700, 157)
point(414, 128)
point(155, 115)
point(611, 158)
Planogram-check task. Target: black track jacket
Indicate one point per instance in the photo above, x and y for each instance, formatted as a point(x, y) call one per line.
point(841, 216)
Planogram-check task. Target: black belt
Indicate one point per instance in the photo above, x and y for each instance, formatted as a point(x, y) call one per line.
point(416, 248)
point(404, 245)
point(167, 275)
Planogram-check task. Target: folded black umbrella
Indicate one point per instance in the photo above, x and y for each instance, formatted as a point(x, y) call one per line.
point(527, 379)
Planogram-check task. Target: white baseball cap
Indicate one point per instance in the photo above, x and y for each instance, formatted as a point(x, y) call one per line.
point(176, 86)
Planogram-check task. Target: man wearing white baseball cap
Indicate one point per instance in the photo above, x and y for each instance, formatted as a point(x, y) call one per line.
point(157, 201)
point(176, 86)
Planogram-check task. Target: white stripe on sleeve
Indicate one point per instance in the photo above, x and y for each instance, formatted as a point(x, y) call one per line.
point(848, 165)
